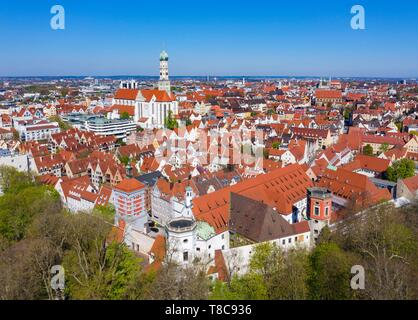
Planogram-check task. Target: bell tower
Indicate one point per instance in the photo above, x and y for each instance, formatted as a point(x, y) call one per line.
point(164, 82)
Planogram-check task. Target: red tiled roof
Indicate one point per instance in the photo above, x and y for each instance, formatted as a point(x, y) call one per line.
point(411, 183)
point(129, 185)
point(367, 162)
point(126, 94)
point(123, 108)
point(279, 189)
point(328, 94)
point(353, 186)
point(160, 95)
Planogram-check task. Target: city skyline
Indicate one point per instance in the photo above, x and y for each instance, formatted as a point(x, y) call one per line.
point(229, 39)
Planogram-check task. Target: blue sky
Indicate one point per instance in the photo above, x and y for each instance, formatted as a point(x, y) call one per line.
point(228, 37)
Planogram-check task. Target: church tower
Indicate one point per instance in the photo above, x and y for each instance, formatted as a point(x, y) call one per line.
point(164, 83)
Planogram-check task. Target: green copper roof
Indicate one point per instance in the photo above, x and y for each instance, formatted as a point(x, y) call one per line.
point(163, 56)
point(204, 230)
point(331, 167)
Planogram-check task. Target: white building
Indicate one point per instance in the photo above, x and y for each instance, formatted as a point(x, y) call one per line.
point(150, 107)
point(21, 162)
point(36, 130)
point(107, 127)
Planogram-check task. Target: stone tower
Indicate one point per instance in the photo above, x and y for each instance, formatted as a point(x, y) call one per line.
point(164, 83)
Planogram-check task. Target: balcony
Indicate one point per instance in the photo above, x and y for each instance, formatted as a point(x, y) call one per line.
point(181, 225)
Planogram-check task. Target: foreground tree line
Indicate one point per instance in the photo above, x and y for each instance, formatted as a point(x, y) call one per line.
point(36, 233)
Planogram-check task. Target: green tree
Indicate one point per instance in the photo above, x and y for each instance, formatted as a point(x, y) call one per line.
point(64, 92)
point(330, 275)
point(401, 169)
point(384, 147)
point(95, 268)
point(347, 113)
point(22, 200)
point(188, 122)
point(12, 181)
point(125, 115)
point(247, 287)
point(125, 160)
point(275, 145)
point(368, 150)
point(385, 242)
point(18, 210)
point(64, 126)
point(266, 153)
point(290, 283)
point(170, 122)
point(106, 212)
point(284, 274)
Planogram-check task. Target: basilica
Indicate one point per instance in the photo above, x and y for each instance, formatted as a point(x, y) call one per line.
point(148, 107)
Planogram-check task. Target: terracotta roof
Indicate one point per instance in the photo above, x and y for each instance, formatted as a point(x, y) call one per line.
point(367, 162)
point(158, 250)
point(104, 196)
point(129, 185)
point(310, 133)
point(117, 232)
point(328, 94)
point(48, 179)
point(279, 189)
point(126, 94)
point(353, 186)
point(411, 183)
point(123, 108)
point(160, 95)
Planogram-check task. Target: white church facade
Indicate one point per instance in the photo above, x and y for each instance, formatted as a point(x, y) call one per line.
point(148, 107)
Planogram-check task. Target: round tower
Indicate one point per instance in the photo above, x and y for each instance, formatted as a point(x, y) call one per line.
point(181, 237)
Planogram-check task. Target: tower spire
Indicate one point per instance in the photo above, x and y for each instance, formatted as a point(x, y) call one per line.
point(164, 83)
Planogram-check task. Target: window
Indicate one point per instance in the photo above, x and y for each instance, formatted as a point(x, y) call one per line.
point(290, 240)
point(197, 249)
point(283, 242)
point(185, 241)
point(223, 236)
point(223, 247)
point(326, 211)
point(185, 256)
point(316, 211)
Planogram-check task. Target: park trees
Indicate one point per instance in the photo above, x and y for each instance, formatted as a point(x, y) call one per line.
point(385, 244)
point(329, 277)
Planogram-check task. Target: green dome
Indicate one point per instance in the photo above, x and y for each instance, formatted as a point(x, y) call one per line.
point(163, 56)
